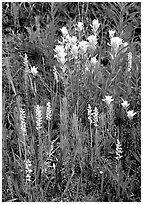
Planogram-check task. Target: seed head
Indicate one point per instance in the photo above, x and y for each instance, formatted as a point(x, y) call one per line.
point(48, 111)
point(38, 117)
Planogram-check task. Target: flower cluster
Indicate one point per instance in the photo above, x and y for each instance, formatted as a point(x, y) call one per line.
point(48, 111)
point(118, 150)
point(92, 116)
point(23, 121)
point(130, 113)
point(28, 170)
point(70, 47)
point(38, 117)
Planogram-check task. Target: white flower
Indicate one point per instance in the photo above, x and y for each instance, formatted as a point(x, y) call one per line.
point(111, 33)
point(108, 99)
point(38, 117)
point(28, 170)
point(60, 54)
point(64, 31)
point(34, 70)
point(94, 61)
point(125, 104)
point(74, 50)
point(48, 111)
point(95, 117)
point(95, 25)
point(118, 150)
point(89, 112)
point(130, 114)
point(83, 46)
point(23, 121)
point(129, 61)
point(80, 26)
point(92, 40)
point(115, 43)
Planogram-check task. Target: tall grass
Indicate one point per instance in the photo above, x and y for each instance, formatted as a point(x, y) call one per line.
point(71, 116)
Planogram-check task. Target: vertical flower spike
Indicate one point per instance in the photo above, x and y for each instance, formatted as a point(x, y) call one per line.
point(95, 117)
point(118, 150)
point(80, 26)
point(38, 117)
point(129, 61)
point(48, 111)
point(89, 109)
point(55, 72)
point(28, 170)
point(23, 121)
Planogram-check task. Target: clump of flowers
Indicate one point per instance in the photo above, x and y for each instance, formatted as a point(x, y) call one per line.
point(95, 25)
point(112, 33)
point(60, 54)
point(118, 150)
point(108, 100)
point(38, 117)
point(48, 111)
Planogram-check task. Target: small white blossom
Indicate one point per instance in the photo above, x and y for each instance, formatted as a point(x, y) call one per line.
point(94, 61)
point(95, 25)
point(74, 50)
point(92, 40)
point(130, 114)
point(108, 99)
point(60, 54)
point(83, 45)
point(112, 33)
point(125, 104)
point(80, 26)
point(48, 111)
point(23, 121)
point(34, 70)
point(64, 31)
point(28, 170)
point(116, 42)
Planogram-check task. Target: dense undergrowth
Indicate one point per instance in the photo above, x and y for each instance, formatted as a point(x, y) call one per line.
point(71, 97)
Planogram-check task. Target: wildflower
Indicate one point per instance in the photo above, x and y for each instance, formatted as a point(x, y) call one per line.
point(108, 100)
point(83, 46)
point(92, 40)
point(129, 61)
point(130, 114)
point(34, 70)
point(95, 117)
point(74, 50)
point(38, 117)
point(55, 74)
point(80, 26)
point(64, 31)
point(48, 111)
point(125, 104)
point(25, 60)
point(94, 61)
point(116, 42)
point(95, 25)
point(118, 150)
point(111, 33)
point(60, 54)
point(28, 170)
point(23, 121)
point(89, 110)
